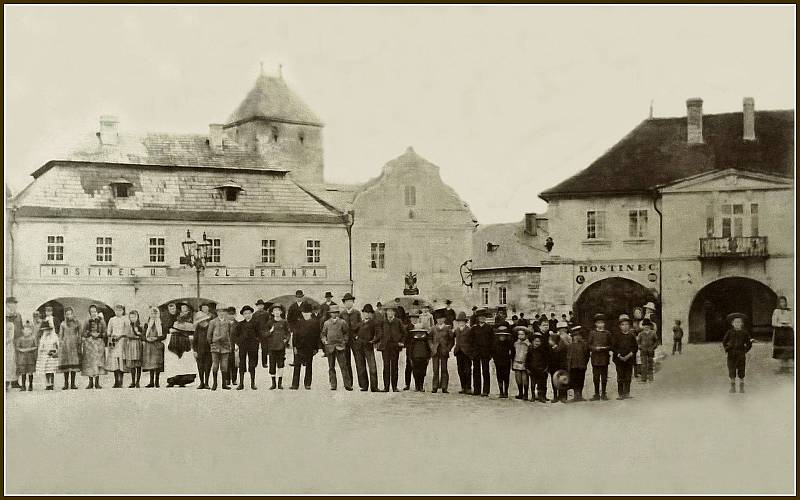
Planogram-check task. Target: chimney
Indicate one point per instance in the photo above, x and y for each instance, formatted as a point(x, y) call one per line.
point(749, 116)
point(109, 130)
point(530, 224)
point(694, 120)
point(215, 135)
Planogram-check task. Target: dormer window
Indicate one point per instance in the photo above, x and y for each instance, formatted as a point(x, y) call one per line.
point(229, 190)
point(121, 187)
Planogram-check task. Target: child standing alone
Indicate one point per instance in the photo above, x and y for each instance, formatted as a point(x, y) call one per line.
point(677, 337)
point(737, 344)
point(26, 347)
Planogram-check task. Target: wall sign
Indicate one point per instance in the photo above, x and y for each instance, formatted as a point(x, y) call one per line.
point(634, 267)
point(109, 272)
point(77, 272)
point(266, 272)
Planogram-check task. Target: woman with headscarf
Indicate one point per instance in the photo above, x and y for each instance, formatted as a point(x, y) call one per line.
point(69, 358)
point(783, 335)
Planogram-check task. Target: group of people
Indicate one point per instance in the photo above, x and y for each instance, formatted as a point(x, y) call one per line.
point(226, 348)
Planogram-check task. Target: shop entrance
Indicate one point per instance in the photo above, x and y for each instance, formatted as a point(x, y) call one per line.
point(612, 297)
point(716, 300)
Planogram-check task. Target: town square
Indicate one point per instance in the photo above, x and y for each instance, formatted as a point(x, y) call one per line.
point(406, 284)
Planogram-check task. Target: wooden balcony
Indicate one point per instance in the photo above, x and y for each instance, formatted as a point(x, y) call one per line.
point(736, 247)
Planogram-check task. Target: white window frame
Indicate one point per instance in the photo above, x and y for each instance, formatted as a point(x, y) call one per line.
point(377, 259)
point(313, 251)
point(502, 295)
point(156, 243)
point(484, 291)
point(637, 223)
point(55, 248)
point(269, 251)
point(214, 255)
point(104, 248)
point(596, 225)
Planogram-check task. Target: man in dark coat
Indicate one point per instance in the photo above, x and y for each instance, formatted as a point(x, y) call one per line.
point(465, 353)
point(305, 342)
point(737, 343)
point(247, 339)
point(326, 306)
point(483, 336)
point(502, 353)
point(599, 342)
point(392, 334)
point(552, 323)
point(522, 320)
point(399, 311)
point(449, 313)
point(261, 318)
point(363, 339)
point(624, 346)
point(352, 317)
point(294, 314)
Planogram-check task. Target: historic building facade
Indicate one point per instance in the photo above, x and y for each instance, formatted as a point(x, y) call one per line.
point(690, 213)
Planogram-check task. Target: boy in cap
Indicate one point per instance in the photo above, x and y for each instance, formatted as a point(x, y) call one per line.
point(219, 339)
point(419, 350)
point(558, 362)
point(305, 342)
point(562, 329)
point(625, 346)
point(737, 344)
point(325, 306)
point(483, 336)
point(442, 340)
point(502, 353)
point(334, 339)
point(537, 364)
point(520, 356)
point(247, 338)
point(577, 359)
point(464, 352)
point(392, 334)
point(365, 335)
point(677, 338)
point(261, 317)
point(275, 340)
point(600, 346)
point(648, 341)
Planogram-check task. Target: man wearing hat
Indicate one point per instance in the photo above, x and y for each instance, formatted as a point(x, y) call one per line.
point(305, 342)
point(325, 306)
point(411, 322)
point(650, 313)
point(450, 314)
point(399, 311)
point(261, 318)
point(294, 314)
point(364, 337)
point(233, 355)
point(648, 341)
point(219, 340)
point(737, 343)
point(418, 350)
point(599, 342)
point(577, 360)
point(465, 352)
point(334, 339)
point(441, 343)
point(624, 346)
point(12, 316)
point(247, 338)
point(502, 353)
point(391, 336)
point(483, 336)
point(352, 317)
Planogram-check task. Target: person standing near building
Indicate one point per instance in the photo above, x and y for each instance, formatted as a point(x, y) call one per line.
point(599, 347)
point(26, 347)
point(219, 340)
point(464, 352)
point(392, 333)
point(450, 314)
point(442, 340)
point(47, 360)
point(153, 348)
point(69, 359)
point(483, 338)
point(305, 342)
point(334, 337)
point(202, 348)
point(648, 342)
point(325, 307)
point(93, 363)
point(502, 354)
point(380, 314)
point(783, 335)
point(133, 349)
point(352, 317)
point(294, 314)
point(248, 342)
point(520, 357)
point(552, 323)
point(425, 320)
point(577, 360)
point(522, 320)
point(364, 337)
point(737, 343)
point(15, 318)
point(557, 363)
point(118, 331)
point(399, 311)
point(650, 313)
point(537, 364)
point(677, 338)
point(277, 339)
point(411, 322)
point(419, 350)
point(261, 317)
point(624, 345)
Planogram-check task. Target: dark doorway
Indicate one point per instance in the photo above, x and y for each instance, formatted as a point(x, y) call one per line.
point(79, 304)
point(715, 301)
point(612, 297)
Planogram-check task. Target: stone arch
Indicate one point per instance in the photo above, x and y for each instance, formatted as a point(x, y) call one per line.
point(611, 296)
point(717, 299)
point(79, 304)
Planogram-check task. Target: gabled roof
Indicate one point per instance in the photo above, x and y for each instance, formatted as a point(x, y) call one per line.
point(515, 248)
point(272, 99)
point(656, 152)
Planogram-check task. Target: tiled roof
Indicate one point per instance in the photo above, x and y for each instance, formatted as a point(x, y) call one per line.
point(656, 152)
point(166, 149)
point(168, 192)
point(272, 99)
point(340, 196)
point(515, 248)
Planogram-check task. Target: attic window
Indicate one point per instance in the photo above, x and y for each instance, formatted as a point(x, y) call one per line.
point(121, 187)
point(229, 190)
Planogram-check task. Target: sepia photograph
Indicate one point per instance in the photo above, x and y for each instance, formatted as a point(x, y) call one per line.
point(399, 249)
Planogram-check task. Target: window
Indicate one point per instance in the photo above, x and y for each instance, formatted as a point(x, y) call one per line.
point(754, 219)
point(103, 248)
point(501, 295)
point(120, 190)
point(268, 251)
point(710, 221)
point(377, 255)
point(231, 194)
point(732, 220)
point(156, 250)
point(214, 251)
point(637, 223)
point(55, 248)
point(411, 196)
point(485, 296)
point(274, 132)
point(595, 224)
point(312, 251)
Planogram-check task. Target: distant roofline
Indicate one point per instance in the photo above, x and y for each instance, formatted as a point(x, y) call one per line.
point(52, 163)
point(272, 119)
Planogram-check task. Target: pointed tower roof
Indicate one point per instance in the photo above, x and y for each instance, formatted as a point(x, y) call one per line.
point(272, 99)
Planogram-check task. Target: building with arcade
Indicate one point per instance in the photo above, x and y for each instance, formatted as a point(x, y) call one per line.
point(692, 213)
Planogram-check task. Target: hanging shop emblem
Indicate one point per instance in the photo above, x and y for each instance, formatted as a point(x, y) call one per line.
point(411, 284)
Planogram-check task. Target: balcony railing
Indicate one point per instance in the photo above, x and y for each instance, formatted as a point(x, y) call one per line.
point(734, 247)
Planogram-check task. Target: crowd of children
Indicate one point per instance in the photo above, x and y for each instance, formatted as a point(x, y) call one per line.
point(545, 354)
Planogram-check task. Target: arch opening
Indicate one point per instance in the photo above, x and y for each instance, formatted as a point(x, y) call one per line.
point(612, 297)
point(79, 304)
point(712, 304)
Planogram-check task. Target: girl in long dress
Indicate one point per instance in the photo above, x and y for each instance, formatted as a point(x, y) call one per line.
point(10, 358)
point(69, 357)
point(26, 346)
point(94, 348)
point(47, 360)
point(118, 331)
point(783, 335)
point(153, 349)
point(133, 350)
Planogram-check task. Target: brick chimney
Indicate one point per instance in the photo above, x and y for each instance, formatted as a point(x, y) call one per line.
point(109, 130)
point(749, 118)
point(694, 120)
point(530, 224)
point(215, 136)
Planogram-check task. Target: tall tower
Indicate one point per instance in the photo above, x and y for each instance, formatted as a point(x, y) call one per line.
point(276, 123)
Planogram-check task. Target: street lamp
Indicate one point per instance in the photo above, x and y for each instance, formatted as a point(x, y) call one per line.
point(195, 255)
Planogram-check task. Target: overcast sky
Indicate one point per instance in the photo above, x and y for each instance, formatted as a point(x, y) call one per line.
point(508, 101)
